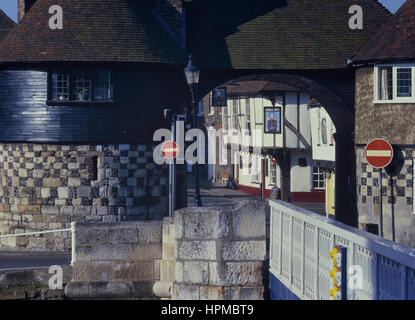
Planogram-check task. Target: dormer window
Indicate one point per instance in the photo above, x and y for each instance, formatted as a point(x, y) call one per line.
point(394, 83)
point(80, 85)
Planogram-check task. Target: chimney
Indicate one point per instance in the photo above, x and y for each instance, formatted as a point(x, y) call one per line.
point(23, 7)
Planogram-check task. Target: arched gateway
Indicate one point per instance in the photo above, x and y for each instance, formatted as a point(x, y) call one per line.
point(340, 109)
point(73, 139)
point(302, 44)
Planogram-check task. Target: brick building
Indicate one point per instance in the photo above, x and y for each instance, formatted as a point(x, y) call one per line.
point(385, 99)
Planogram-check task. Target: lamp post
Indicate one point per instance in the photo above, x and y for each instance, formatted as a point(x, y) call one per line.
point(192, 73)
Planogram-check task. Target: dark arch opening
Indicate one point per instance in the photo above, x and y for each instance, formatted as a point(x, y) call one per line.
point(342, 114)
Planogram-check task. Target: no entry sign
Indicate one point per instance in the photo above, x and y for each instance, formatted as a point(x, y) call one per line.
point(170, 150)
point(379, 153)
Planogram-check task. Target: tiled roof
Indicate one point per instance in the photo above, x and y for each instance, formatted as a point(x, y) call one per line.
point(279, 34)
point(6, 25)
point(396, 41)
point(244, 87)
point(93, 31)
point(256, 87)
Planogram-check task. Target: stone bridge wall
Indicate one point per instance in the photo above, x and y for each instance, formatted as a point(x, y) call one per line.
point(116, 260)
point(220, 253)
point(200, 254)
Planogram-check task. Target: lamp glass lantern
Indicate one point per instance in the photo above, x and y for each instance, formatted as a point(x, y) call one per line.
point(192, 73)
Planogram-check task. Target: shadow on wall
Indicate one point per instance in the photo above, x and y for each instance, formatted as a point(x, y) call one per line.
point(229, 15)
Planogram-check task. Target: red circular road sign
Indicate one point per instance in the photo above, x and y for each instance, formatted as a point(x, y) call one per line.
point(170, 150)
point(379, 153)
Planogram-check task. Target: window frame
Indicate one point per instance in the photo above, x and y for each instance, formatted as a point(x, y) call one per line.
point(256, 167)
point(395, 98)
point(225, 119)
point(235, 113)
point(201, 108)
point(318, 177)
point(273, 173)
point(211, 110)
point(50, 100)
point(248, 112)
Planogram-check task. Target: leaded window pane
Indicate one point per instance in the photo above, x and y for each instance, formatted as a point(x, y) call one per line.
point(404, 82)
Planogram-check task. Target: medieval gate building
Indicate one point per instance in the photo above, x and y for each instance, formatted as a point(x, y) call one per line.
point(308, 49)
point(79, 105)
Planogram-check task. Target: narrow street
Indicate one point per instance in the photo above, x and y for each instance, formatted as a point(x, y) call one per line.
point(215, 194)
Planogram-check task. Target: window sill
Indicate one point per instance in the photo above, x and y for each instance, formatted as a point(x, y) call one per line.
point(393, 101)
point(80, 103)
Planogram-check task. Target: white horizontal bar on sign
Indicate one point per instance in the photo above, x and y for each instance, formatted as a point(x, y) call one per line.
point(379, 153)
point(33, 233)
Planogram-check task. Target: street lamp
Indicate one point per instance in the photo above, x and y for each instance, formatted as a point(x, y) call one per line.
point(192, 73)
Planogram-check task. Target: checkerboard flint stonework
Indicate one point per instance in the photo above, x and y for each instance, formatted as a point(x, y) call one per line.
point(45, 187)
point(368, 197)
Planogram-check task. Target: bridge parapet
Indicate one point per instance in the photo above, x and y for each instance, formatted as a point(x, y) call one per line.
point(300, 262)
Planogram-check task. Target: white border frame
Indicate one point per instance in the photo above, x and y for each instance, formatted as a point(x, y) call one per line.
point(413, 186)
point(395, 99)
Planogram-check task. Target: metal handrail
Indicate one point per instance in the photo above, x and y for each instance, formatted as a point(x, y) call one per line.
point(300, 244)
point(33, 233)
point(387, 248)
point(71, 229)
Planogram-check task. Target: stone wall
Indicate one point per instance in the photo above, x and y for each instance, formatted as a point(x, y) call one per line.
point(395, 123)
point(168, 262)
point(46, 187)
point(201, 253)
point(391, 121)
point(116, 260)
point(401, 200)
point(220, 253)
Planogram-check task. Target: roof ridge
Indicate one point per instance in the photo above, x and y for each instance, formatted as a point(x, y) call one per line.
point(7, 17)
point(386, 44)
point(381, 6)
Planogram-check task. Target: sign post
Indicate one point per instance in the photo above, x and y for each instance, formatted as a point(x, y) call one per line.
point(170, 150)
point(379, 154)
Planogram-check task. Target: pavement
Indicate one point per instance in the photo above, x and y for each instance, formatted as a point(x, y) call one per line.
point(314, 207)
point(13, 261)
point(215, 194)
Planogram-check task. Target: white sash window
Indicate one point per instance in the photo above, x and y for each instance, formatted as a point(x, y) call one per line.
point(394, 83)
